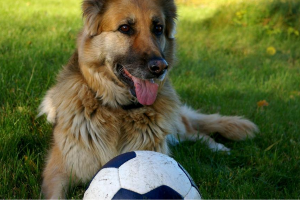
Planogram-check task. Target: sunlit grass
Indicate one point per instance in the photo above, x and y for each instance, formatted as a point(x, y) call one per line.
point(235, 57)
point(241, 58)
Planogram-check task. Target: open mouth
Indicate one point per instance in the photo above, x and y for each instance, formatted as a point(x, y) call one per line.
point(145, 90)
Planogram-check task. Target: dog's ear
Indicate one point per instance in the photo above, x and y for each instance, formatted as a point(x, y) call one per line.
point(170, 12)
point(92, 10)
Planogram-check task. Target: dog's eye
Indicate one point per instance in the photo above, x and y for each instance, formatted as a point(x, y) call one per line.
point(125, 29)
point(158, 29)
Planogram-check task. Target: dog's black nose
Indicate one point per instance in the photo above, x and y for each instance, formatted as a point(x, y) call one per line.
point(157, 66)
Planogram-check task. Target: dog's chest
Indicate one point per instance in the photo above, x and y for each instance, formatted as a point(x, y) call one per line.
point(138, 119)
point(143, 129)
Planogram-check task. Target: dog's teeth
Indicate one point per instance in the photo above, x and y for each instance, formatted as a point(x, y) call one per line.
point(152, 80)
point(162, 77)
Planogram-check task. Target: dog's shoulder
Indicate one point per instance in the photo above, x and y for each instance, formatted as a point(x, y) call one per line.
point(69, 95)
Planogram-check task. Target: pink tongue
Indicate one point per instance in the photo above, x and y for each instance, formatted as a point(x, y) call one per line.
point(146, 91)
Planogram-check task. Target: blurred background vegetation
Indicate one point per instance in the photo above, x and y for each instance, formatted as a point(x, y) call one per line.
point(246, 22)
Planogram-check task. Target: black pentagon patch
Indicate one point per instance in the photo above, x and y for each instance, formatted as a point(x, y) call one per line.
point(161, 192)
point(191, 180)
point(119, 160)
point(116, 162)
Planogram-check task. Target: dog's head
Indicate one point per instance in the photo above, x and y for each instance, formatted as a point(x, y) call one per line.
point(134, 38)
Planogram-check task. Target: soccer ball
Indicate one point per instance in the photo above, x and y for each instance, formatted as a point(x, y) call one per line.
point(142, 175)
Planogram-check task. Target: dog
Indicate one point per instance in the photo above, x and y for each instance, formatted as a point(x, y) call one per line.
point(114, 95)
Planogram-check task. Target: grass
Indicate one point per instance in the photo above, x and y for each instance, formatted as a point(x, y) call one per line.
point(232, 54)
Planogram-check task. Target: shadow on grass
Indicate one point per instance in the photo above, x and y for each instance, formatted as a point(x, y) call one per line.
point(31, 55)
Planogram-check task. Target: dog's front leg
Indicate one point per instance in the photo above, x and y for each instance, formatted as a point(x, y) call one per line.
point(195, 126)
point(55, 179)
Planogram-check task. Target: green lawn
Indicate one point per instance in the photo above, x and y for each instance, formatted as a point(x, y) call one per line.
point(231, 56)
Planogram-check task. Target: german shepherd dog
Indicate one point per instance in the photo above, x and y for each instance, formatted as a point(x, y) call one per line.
point(114, 94)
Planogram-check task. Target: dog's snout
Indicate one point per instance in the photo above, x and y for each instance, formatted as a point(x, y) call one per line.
point(157, 66)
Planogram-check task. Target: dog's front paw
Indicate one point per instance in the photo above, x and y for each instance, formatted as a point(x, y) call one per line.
point(219, 147)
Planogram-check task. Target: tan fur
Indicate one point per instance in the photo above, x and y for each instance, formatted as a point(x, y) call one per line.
point(85, 105)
